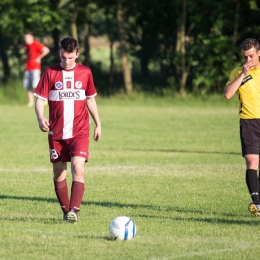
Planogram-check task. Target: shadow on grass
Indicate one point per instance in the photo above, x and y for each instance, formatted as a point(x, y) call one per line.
point(47, 221)
point(180, 151)
point(108, 238)
point(227, 219)
point(107, 204)
point(213, 220)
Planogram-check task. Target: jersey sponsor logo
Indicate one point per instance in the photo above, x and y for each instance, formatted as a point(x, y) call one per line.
point(78, 84)
point(246, 79)
point(69, 95)
point(60, 95)
point(58, 85)
point(68, 77)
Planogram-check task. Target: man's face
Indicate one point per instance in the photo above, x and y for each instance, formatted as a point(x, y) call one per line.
point(251, 56)
point(68, 59)
point(28, 38)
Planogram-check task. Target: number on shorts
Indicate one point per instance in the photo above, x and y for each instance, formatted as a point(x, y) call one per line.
point(54, 154)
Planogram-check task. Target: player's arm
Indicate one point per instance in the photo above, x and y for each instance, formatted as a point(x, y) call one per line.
point(232, 87)
point(39, 109)
point(44, 52)
point(93, 110)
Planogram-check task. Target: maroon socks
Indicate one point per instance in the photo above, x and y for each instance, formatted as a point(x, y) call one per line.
point(61, 190)
point(76, 197)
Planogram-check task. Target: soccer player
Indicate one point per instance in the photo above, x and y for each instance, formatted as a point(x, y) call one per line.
point(70, 91)
point(246, 80)
point(35, 51)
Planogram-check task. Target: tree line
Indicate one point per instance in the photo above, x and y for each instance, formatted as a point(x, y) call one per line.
point(165, 46)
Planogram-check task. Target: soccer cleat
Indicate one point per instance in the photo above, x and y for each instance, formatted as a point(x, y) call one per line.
point(254, 209)
point(72, 216)
point(65, 217)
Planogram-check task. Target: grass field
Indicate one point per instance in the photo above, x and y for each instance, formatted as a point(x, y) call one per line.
point(175, 169)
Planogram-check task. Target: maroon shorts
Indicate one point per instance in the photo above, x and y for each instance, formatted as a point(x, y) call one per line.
point(64, 150)
point(250, 136)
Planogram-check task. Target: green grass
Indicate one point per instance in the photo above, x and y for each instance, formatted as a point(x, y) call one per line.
point(175, 168)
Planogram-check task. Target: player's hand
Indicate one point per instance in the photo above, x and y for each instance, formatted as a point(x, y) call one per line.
point(247, 67)
point(38, 60)
point(97, 133)
point(44, 125)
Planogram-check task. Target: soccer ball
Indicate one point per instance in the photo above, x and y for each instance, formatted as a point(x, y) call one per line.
point(122, 228)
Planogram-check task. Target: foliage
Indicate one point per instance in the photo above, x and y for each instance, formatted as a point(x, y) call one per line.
point(152, 27)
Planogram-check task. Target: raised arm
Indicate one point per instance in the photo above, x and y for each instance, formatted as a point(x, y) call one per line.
point(231, 88)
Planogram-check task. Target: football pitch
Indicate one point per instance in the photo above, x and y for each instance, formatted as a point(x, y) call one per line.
point(177, 171)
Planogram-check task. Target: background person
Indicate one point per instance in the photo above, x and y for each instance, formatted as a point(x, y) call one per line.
point(246, 80)
point(35, 51)
point(70, 90)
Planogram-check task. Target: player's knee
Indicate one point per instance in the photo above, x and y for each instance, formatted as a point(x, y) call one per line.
point(77, 170)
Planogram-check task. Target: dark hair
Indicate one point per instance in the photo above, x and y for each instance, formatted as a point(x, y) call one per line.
point(28, 32)
point(249, 43)
point(69, 44)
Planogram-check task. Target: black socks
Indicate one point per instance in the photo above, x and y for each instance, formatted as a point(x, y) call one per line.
point(253, 185)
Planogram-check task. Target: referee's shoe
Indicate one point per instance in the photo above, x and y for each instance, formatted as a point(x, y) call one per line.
point(254, 209)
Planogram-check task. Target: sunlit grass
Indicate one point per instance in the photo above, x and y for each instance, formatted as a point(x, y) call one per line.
point(177, 170)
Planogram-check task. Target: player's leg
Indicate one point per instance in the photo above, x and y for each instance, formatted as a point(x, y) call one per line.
point(59, 156)
point(79, 155)
point(36, 74)
point(250, 149)
point(77, 188)
point(259, 176)
point(252, 161)
point(27, 84)
point(30, 97)
point(60, 185)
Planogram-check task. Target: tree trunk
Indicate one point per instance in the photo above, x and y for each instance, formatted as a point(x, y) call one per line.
point(126, 70)
point(56, 39)
point(182, 68)
point(86, 61)
point(111, 74)
point(54, 5)
point(73, 20)
point(4, 58)
point(235, 33)
point(144, 59)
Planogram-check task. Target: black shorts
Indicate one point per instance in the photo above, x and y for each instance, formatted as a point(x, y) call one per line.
point(250, 136)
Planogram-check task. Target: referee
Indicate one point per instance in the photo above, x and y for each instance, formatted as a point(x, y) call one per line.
point(246, 80)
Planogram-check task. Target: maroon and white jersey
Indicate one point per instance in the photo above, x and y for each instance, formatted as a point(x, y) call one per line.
point(66, 91)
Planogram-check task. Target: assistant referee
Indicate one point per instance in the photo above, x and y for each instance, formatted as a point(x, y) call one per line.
point(246, 80)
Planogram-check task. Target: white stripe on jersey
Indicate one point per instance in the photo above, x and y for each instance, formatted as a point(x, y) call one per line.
point(68, 105)
point(68, 119)
point(68, 95)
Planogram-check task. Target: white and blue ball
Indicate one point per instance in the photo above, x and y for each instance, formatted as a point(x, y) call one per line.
point(122, 228)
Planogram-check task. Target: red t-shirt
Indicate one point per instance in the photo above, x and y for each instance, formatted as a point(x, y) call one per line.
point(66, 91)
point(32, 52)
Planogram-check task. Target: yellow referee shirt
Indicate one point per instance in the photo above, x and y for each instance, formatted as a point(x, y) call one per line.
point(248, 93)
